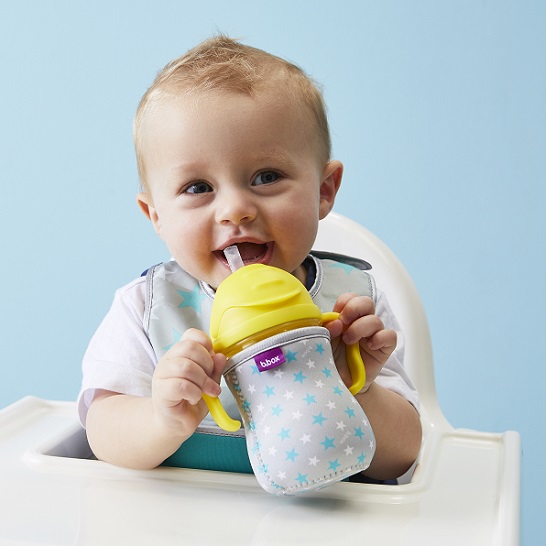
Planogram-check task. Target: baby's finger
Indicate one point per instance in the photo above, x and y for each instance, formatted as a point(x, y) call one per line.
point(174, 390)
point(384, 341)
point(198, 336)
point(363, 327)
point(183, 375)
point(211, 388)
point(188, 350)
point(335, 327)
point(342, 300)
point(219, 363)
point(356, 307)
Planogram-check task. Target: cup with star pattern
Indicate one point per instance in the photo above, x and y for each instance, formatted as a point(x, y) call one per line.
point(304, 429)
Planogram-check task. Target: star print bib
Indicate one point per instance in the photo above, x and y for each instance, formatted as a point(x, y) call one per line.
point(304, 429)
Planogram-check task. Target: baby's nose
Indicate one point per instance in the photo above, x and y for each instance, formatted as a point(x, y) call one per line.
point(236, 208)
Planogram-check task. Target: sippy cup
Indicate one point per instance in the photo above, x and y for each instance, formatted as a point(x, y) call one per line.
point(304, 429)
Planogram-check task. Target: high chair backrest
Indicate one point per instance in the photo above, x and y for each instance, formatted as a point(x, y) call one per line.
point(339, 234)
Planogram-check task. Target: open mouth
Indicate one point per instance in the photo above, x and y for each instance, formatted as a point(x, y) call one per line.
point(251, 253)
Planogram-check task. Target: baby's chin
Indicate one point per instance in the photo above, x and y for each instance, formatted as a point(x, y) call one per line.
point(213, 275)
point(215, 279)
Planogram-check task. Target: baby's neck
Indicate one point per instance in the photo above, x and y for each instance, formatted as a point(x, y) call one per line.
point(301, 273)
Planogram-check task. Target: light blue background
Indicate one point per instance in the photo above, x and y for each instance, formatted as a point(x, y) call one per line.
point(438, 110)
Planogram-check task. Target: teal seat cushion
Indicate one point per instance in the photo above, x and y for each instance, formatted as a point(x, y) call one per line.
point(205, 451)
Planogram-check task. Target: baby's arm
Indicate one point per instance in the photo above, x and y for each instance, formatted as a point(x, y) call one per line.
point(394, 420)
point(141, 432)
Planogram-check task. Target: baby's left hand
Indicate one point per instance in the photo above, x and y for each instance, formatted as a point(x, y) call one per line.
point(358, 323)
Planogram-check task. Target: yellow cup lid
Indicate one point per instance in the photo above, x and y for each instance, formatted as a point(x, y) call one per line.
point(255, 298)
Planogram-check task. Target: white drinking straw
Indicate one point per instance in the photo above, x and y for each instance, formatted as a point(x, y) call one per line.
point(233, 258)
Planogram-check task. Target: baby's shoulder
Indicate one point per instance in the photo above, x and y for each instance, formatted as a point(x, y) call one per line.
point(132, 290)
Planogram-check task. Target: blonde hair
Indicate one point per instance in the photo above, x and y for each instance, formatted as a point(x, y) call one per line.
point(224, 64)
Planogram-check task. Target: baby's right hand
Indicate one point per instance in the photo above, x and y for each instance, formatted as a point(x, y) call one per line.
point(189, 369)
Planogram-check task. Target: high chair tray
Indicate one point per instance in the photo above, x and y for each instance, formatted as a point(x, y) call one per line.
point(465, 491)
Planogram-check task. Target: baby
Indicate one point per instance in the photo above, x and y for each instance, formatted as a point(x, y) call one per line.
point(233, 148)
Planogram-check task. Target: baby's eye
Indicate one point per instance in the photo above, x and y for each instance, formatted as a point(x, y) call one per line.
point(265, 177)
point(199, 186)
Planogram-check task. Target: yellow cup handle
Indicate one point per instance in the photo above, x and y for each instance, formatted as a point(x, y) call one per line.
point(220, 415)
point(354, 359)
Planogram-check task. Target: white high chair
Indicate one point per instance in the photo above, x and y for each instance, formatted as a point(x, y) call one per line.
point(465, 489)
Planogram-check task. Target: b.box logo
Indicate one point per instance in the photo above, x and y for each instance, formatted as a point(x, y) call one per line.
point(270, 359)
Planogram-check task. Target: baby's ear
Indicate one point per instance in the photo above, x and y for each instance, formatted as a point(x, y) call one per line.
point(329, 186)
point(146, 204)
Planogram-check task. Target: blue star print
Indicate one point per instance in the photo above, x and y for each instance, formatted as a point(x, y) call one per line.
point(320, 348)
point(310, 399)
point(284, 433)
point(319, 419)
point(291, 455)
point(192, 299)
point(269, 391)
point(327, 372)
point(176, 338)
point(327, 443)
point(299, 377)
point(301, 478)
point(361, 458)
point(276, 410)
point(346, 267)
point(350, 412)
point(359, 433)
point(334, 465)
point(290, 356)
point(337, 390)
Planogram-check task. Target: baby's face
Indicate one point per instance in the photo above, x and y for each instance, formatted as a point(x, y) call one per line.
point(224, 168)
